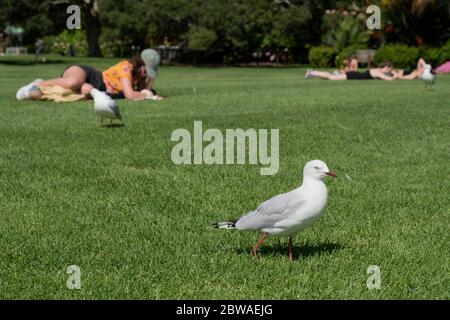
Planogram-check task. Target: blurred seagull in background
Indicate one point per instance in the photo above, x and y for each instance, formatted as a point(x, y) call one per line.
point(288, 213)
point(105, 106)
point(427, 76)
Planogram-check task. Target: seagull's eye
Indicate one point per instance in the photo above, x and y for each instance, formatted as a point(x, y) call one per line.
point(317, 168)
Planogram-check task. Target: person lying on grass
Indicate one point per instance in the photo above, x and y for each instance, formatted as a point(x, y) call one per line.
point(410, 74)
point(350, 64)
point(130, 79)
point(373, 73)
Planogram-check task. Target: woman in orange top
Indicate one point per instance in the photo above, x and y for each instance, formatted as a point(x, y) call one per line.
point(132, 79)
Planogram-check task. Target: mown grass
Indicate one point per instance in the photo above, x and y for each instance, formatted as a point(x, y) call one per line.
point(111, 201)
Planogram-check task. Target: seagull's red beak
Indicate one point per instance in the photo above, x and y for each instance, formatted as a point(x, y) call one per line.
point(331, 174)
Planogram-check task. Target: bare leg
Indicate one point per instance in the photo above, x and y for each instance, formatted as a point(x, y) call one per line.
point(420, 67)
point(413, 75)
point(291, 250)
point(73, 78)
point(421, 63)
point(328, 76)
point(321, 74)
point(261, 240)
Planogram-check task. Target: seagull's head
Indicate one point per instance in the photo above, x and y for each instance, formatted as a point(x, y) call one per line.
point(317, 169)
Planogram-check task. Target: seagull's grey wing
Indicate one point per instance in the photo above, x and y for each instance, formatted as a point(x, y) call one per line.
point(115, 108)
point(271, 211)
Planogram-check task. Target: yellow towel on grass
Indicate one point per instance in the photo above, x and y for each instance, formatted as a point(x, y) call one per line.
point(60, 94)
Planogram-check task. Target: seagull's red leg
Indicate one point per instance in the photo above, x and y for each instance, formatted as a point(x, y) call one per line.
point(110, 122)
point(261, 240)
point(291, 250)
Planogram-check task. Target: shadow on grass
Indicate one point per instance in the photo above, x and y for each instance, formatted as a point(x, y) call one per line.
point(112, 126)
point(23, 62)
point(300, 251)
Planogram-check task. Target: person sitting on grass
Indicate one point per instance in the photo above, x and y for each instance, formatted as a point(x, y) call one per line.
point(130, 79)
point(410, 74)
point(373, 73)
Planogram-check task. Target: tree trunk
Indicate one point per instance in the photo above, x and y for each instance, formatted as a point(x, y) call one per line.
point(93, 27)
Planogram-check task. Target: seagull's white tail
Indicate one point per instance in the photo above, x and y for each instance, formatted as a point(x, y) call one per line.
point(224, 225)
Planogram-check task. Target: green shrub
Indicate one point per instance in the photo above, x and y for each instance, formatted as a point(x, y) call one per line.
point(444, 53)
point(341, 56)
point(431, 56)
point(200, 38)
point(321, 57)
point(115, 47)
point(48, 43)
point(67, 39)
point(400, 55)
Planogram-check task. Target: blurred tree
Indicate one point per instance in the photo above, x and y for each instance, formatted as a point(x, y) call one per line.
point(237, 25)
point(120, 26)
point(240, 27)
point(349, 31)
point(147, 22)
point(33, 16)
point(93, 26)
point(290, 26)
point(91, 17)
point(243, 26)
point(417, 22)
point(201, 38)
point(48, 17)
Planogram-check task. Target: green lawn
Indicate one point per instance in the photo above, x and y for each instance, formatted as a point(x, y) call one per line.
point(110, 200)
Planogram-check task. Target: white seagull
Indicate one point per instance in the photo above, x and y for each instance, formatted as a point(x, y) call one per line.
point(105, 106)
point(288, 213)
point(427, 76)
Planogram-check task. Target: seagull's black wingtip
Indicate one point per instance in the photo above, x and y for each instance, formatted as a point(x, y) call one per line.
point(224, 225)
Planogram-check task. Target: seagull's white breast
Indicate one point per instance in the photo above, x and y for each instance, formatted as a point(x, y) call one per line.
point(106, 113)
point(104, 110)
point(427, 75)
